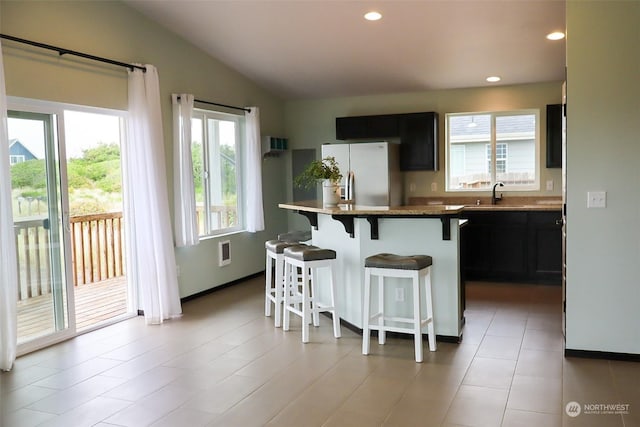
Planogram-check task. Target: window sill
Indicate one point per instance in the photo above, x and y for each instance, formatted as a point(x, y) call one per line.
point(222, 235)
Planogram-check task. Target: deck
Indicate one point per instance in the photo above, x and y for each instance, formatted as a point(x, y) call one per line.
point(95, 302)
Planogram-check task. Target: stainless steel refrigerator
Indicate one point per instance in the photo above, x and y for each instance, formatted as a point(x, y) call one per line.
point(371, 172)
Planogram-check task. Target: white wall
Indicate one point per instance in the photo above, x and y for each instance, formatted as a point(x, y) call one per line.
point(603, 154)
point(113, 30)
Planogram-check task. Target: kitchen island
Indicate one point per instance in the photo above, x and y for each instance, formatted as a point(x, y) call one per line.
point(356, 232)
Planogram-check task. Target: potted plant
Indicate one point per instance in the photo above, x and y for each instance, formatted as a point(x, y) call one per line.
point(325, 170)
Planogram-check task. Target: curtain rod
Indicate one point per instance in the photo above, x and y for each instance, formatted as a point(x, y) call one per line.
point(248, 110)
point(62, 51)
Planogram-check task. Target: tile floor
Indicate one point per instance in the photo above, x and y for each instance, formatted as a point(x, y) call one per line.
point(224, 364)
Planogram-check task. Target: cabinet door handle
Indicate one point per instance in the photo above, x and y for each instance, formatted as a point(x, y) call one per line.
point(560, 221)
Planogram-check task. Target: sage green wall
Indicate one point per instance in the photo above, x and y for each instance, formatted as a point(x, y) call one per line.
point(603, 154)
point(312, 123)
point(114, 30)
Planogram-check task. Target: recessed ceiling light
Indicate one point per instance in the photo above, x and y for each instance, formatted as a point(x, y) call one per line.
point(372, 16)
point(556, 35)
point(493, 79)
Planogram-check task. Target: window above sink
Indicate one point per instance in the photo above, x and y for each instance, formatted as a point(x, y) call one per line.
point(488, 147)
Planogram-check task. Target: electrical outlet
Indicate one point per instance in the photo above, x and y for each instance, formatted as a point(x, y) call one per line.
point(550, 185)
point(434, 186)
point(597, 199)
point(412, 187)
point(399, 294)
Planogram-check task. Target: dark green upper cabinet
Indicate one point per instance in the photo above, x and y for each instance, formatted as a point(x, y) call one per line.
point(419, 137)
point(367, 127)
point(554, 136)
point(418, 133)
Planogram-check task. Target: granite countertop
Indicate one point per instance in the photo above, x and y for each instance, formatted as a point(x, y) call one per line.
point(507, 207)
point(355, 209)
point(506, 204)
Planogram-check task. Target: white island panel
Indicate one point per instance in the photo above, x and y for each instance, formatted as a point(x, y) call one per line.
point(402, 236)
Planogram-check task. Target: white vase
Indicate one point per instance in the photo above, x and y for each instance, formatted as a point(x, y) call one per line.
point(330, 193)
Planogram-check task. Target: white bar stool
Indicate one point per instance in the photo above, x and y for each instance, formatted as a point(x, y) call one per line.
point(415, 267)
point(274, 292)
point(309, 259)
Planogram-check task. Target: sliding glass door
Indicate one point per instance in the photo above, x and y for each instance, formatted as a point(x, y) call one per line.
point(94, 186)
point(43, 298)
point(67, 193)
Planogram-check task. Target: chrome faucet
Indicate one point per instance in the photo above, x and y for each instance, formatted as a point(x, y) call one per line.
point(495, 199)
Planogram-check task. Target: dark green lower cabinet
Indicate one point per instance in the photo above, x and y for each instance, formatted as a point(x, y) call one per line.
point(545, 246)
point(512, 246)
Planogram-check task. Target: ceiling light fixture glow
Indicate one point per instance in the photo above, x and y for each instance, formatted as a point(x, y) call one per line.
point(493, 79)
point(372, 16)
point(556, 35)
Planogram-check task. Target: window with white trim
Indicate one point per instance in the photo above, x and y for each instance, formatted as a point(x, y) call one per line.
point(16, 158)
point(489, 147)
point(217, 170)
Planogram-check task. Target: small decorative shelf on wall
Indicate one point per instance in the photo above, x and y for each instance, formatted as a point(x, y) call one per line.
point(273, 145)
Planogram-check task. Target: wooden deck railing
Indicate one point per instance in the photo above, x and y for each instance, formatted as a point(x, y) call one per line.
point(34, 264)
point(97, 248)
point(97, 252)
point(221, 217)
point(97, 243)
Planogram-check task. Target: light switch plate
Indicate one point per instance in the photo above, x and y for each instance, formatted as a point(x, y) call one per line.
point(597, 199)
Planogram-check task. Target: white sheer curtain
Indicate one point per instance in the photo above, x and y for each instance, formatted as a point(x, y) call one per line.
point(253, 162)
point(184, 199)
point(153, 258)
point(8, 271)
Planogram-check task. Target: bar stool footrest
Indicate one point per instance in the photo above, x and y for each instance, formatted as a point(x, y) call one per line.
point(399, 329)
point(423, 322)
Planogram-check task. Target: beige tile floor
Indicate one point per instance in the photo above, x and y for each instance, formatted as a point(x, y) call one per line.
point(224, 364)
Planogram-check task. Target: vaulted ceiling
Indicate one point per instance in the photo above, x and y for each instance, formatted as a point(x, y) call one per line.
point(306, 49)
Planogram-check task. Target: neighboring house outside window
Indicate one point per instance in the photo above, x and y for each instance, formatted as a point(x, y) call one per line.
point(217, 168)
point(484, 148)
point(501, 158)
point(458, 160)
point(18, 152)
